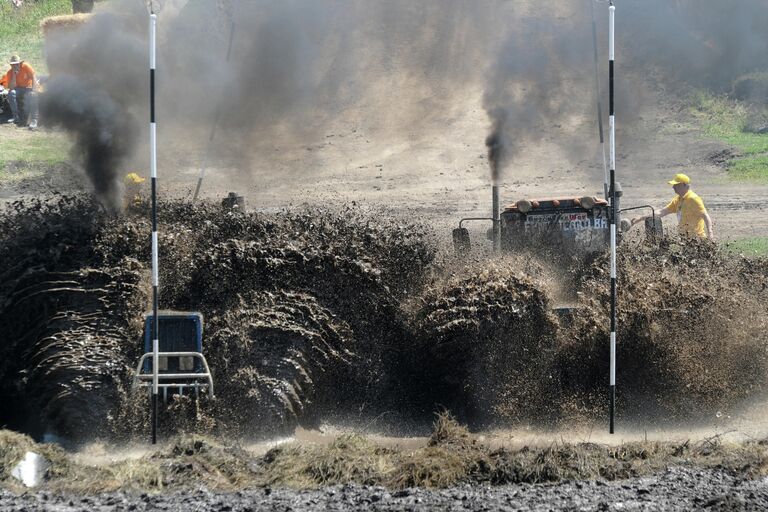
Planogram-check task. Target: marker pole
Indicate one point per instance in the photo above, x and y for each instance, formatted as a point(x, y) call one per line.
point(599, 103)
point(612, 124)
point(496, 214)
point(153, 167)
point(209, 147)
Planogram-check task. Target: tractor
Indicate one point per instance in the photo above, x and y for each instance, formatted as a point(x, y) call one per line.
point(182, 367)
point(570, 226)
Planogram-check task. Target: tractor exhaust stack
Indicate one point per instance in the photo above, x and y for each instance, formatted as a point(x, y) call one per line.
point(496, 219)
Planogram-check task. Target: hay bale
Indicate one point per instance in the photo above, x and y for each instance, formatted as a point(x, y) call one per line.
point(63, 23)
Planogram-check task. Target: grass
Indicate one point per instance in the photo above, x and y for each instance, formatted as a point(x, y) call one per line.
point(728, 120)
point(20, 29)
point(25, 154)
point(755, 246)
point(451, 457)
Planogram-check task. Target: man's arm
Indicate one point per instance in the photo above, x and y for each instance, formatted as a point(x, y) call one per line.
point(32, 75)
point(663, 213)
point(708, 224)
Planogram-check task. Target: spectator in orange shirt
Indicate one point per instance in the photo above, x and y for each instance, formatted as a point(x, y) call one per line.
point(20, 82)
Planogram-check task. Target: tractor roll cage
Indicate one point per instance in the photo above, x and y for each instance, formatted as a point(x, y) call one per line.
point(178, 380)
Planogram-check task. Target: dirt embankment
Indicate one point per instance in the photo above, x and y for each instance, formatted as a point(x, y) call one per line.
point(344, 316)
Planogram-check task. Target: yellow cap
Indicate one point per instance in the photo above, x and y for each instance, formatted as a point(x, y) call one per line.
point(133, 179)
point(680, 179)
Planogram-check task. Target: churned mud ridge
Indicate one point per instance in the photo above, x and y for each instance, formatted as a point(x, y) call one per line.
point(677, 489)
point(692, 323)
point(489, 333)
point(302, 310)
point(344, 316)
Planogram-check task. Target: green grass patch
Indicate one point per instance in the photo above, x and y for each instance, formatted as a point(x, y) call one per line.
point(25, 154)
point(755, 246)
point(729, 121)
point(753, 168)
point(33, 147)
point(20, 30)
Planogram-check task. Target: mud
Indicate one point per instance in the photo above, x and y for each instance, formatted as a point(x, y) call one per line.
point(348, 317)
point(674, 489)
point(312, 319)
point(490, 335)
point(64, 352)
point(691, 331)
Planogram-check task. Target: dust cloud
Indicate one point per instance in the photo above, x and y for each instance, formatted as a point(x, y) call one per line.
point(542, 83)
point(399, 71)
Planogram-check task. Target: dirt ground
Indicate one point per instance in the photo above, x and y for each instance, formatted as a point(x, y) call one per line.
point(441, 174)
point(676, 489)
point(444, 175)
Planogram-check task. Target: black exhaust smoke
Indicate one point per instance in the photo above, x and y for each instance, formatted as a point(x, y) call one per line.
point(104, 134)
point(496, 143)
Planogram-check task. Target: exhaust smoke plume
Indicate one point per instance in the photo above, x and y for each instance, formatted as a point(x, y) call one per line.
point(541, 79)
point(539, 83)
point(396, 70)
point(104, 133)
point(96, 93)
point(497, 145)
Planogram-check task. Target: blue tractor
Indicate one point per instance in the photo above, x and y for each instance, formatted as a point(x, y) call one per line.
point(182, 367)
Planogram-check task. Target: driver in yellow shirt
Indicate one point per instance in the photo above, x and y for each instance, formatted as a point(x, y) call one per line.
point(132, 182)
point(693, 221)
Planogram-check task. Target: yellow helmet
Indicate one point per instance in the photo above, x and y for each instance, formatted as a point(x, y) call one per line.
point(133, 179)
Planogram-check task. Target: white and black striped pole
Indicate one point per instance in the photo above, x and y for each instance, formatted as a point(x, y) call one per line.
point(153, 168)
point(612, 127)
point(599, 103)
point(209, 147)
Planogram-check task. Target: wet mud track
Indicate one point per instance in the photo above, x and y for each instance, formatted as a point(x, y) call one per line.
point(676, 489)
point(336, 315)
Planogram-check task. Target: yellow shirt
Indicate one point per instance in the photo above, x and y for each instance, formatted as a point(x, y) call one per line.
point(690, 212)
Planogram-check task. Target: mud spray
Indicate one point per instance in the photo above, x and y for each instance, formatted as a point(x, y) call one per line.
point(337, 316)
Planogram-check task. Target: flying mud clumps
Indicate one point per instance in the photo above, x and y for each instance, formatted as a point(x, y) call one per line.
point(343, 316)
point(692, 333)
point(491, 337)
point(63, 356)
point(302, 312)
point(281, 352)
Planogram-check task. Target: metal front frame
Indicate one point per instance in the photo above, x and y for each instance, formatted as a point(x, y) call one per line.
point(189, 380)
